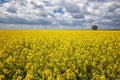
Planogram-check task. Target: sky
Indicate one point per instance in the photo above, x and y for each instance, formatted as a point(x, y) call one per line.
point(59, 14)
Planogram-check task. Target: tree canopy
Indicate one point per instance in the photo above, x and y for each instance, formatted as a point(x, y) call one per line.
point(94, 27)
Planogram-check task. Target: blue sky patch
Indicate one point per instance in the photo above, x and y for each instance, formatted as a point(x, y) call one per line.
point(59, 10)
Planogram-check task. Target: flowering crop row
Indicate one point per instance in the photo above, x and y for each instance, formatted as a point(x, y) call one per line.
point(59, 55)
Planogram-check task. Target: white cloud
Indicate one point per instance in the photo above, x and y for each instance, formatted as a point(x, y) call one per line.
point(81, 13)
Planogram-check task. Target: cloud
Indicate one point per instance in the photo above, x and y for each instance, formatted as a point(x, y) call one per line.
point(67, 13)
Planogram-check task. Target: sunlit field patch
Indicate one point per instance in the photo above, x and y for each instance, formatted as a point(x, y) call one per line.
point(59, 55)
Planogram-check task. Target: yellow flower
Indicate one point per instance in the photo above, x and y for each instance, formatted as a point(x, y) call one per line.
point(19, 78)
point(2, 77)
point(5, 71)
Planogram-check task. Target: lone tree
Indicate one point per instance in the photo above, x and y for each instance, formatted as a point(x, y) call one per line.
point(94, 27)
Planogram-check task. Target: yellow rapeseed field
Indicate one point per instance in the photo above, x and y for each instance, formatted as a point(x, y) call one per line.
point(59, 55)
